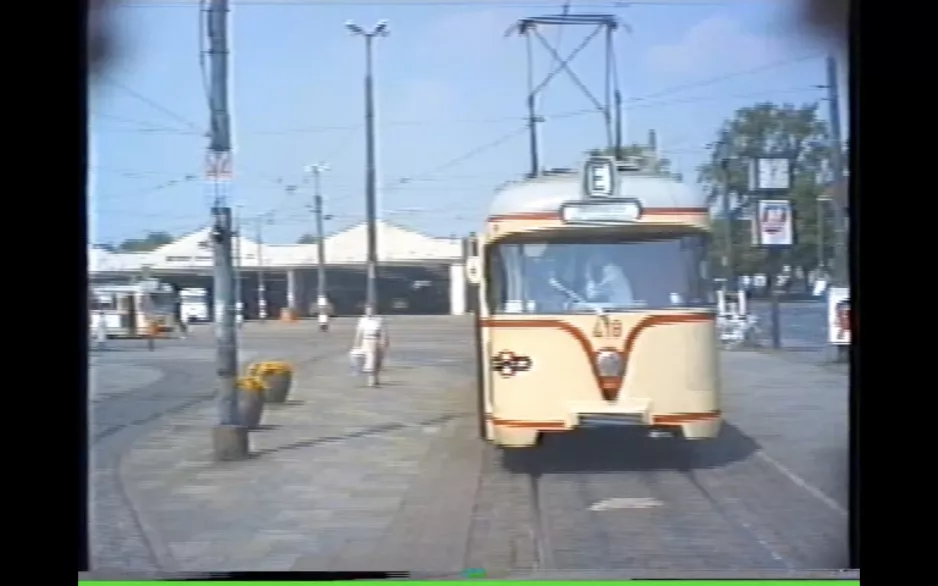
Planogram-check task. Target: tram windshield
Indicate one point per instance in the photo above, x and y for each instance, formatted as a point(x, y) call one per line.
point(623, 273)
point(157, 302)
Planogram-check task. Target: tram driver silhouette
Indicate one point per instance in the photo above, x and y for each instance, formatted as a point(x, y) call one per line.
point(606, 283)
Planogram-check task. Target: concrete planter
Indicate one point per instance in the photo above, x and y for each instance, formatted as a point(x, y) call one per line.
point(278, 386)
point(251, 408)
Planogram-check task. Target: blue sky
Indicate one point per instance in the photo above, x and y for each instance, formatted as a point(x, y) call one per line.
point(448, 83)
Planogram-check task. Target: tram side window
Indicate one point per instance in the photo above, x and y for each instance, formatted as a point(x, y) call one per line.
point(506, 279)
point(505, 287)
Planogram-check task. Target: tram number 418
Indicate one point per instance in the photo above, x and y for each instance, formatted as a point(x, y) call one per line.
point(607, 328)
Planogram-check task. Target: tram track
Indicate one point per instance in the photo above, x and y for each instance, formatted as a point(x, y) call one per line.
point(673, 518)
point(743, 529)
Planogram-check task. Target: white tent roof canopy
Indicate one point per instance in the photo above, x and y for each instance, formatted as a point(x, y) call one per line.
point(395, 244)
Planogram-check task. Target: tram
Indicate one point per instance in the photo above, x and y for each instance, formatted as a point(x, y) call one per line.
point(128, 309)
point(595, 306)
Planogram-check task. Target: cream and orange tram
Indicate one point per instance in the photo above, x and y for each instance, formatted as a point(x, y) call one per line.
point(595, 306)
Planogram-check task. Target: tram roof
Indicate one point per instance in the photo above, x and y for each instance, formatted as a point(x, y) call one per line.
point(548, 192)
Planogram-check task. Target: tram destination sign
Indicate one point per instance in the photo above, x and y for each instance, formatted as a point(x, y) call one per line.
point(601, 212)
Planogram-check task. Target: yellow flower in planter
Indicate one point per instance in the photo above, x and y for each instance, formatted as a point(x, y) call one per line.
point(270, 367)
point(251, 383)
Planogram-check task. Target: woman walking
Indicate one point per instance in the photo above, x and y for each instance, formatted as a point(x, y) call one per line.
point(371, 337)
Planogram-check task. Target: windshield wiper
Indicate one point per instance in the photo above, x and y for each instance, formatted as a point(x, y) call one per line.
point(575, 297)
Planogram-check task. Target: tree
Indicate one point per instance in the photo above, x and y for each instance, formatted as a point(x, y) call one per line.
point(768, 129)
point(307, 239)
point(151, 241)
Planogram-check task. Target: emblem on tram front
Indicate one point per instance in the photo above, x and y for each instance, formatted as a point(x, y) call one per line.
point(508, 364)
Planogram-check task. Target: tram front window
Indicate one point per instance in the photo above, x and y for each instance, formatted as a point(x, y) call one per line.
point(583, 275)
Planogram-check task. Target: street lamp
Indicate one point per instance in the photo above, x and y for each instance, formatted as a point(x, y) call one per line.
point(380, 30)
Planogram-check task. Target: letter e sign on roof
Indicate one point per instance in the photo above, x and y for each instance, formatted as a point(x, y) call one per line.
point(599, 177)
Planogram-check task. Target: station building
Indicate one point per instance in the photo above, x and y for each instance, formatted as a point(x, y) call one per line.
point(417, 274)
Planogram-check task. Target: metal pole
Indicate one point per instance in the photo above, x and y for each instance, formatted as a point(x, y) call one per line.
point(774, 258)
point(229, 438)
point(841, 275)
point(370, 180)
point(821, 217)
point(729, 260)
point(239, 277)
point(227, 348)
point(532, 107)
point(320, 245)
point(261, 285)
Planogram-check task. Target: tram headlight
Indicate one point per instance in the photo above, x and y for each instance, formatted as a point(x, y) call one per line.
point(609, 363)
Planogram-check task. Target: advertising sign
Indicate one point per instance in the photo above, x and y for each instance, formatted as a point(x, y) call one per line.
point(774, 223)
point(838, 316)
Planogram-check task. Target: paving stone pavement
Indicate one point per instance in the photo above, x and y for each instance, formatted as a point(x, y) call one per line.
point(329, 472)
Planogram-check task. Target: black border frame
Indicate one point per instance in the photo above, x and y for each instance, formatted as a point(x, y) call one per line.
point(862, 175)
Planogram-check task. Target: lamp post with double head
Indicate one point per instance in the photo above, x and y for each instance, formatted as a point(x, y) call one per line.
point(380, 30)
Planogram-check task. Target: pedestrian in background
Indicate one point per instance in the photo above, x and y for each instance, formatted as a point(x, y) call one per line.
point(182, 321)
point(372, 341)
point(100, 333)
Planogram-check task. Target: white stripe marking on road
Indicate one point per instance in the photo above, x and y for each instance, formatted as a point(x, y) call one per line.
point(625, 503)
point(813, 491)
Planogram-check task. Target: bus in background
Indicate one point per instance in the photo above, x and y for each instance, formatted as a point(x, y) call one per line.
point(596, 307)
point(127, 309)
point(195, 306)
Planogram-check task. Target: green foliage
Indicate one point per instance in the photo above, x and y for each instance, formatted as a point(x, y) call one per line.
point(151, 241)
point(768, 129)
point(306, 239)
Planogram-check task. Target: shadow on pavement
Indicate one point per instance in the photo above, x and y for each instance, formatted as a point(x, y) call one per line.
point(367, 432)
point(624, 450)
point(287, 403)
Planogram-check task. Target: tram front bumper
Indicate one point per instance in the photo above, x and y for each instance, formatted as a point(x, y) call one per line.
point(623, 413)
